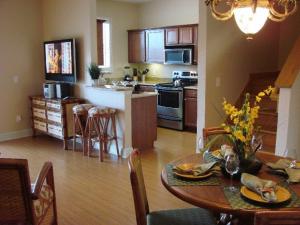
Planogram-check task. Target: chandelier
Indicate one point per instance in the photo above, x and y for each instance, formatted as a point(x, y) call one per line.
point(251, 15)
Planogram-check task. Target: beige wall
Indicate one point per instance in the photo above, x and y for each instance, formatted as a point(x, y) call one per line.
point(289, 32)
point(123, 17)
point(73, 19)
point(231, 58)
point(159, 13)
point(21, 57)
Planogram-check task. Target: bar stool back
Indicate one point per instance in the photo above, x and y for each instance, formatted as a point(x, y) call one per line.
point(80, 113)
point(98, 122)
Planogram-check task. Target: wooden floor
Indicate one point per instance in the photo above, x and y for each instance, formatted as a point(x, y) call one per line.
point(89, 192)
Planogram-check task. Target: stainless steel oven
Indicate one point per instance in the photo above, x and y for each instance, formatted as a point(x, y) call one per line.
point(170, 107)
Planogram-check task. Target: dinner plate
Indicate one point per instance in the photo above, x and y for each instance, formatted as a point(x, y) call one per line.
point(281, 193)
point(186, 166)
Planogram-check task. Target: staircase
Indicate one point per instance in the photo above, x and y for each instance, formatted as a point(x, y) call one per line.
point(268, 108)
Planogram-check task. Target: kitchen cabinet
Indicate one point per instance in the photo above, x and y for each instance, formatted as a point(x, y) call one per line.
point(190, 109)
point(183, 35)
point(53, 117)
point(155, 46)
point(136, 46)
point(144, 122)
point(172, 36)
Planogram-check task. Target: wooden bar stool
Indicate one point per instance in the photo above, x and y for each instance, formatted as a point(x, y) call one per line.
point(80, 114)
point(98, 122)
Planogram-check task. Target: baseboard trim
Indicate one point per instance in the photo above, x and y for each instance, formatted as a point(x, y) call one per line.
point(15, 135)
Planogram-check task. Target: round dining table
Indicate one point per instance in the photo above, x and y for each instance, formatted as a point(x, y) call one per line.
point(212, 197)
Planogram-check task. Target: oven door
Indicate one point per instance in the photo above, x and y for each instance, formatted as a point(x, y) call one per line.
point(170, 103)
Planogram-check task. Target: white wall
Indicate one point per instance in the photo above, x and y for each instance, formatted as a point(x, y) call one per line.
point(122, 17)
point(21, 64)
point(288, 128)
point(159, 13)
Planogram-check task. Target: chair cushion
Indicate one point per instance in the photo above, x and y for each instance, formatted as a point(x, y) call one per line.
point(98, 110)
point(42, 204)
point(193, 216)
point(81, 108)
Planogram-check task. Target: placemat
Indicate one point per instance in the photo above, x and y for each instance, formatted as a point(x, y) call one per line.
point(238, 202)
point(173, 180)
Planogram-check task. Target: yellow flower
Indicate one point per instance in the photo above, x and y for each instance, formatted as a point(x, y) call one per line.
point(227, 129)
point(258, 99)
point(261, 94)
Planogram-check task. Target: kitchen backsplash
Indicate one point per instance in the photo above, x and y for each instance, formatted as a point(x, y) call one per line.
point(161, 70)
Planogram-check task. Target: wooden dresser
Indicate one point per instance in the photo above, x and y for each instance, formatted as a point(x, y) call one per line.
point(53, 117)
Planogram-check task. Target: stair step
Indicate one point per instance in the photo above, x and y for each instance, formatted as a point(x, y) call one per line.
point(269, 140)
point(266, 103)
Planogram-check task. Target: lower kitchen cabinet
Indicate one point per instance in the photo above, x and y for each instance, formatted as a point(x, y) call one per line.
point(190, 109)
point(53, 117)
point(146, 88)
point(144, 122)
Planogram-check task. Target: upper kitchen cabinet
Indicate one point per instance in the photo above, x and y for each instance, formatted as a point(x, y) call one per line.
point(136, 46)
point(172, 36)
point(155, 46)
point(182, 35)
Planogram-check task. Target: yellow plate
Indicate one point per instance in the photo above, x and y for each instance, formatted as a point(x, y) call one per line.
point(186, 166)
point(281, 193)
point(217, 154)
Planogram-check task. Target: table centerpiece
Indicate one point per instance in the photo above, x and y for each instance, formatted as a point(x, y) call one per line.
point(241, 129)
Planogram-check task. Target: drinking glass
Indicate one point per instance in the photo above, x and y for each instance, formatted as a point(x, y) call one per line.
point(256, 142)
point(232, 167)
point(200, 146)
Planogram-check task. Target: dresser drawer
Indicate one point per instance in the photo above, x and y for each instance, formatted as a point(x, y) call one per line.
point(40, 113)
point(56, 130)
point(54, 105)
point(38, 102)
point(54, 116)
point(40, 125)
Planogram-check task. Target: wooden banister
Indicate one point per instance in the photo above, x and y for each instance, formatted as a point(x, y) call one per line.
point(290, 69)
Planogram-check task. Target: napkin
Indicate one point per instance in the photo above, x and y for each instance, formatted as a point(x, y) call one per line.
point(265, 188)
point(197, 169)
point(284, 166)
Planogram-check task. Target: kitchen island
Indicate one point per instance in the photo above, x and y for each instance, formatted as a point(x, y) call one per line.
point(136, 116)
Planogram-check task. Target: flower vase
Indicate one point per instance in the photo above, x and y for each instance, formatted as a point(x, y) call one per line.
point(248, 163)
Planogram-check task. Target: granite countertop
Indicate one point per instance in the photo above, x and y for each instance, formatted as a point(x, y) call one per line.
point(194, 87)
point(143, 94)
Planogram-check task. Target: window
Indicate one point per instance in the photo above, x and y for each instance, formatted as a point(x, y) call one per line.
point(103, 44)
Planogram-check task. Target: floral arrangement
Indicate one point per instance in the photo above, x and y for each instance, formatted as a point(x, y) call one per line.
point(242, 121)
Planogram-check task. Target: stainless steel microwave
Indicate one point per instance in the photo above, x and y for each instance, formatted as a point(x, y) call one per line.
point(178, 56)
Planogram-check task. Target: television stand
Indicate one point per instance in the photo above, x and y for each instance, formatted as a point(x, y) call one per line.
point(53, 117)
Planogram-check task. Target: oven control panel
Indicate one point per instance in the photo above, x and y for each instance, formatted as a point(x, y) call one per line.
point(184, 75)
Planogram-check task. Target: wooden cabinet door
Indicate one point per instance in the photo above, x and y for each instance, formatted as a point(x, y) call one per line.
point(172, 36)
point(186, 35)
point(190, 109)
point(136, 47)
point(195, 33)
point(155, 46)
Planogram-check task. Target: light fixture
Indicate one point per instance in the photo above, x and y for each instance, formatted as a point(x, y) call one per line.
point(251, 15)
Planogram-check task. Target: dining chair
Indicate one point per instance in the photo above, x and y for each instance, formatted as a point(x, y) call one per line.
point(22, 202)
point(277, 218)
point(214, 137)
point(190, 216)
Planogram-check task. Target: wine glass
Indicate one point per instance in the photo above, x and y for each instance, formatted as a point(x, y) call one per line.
point(256, 142)
point(200, 147)
point(232, 167)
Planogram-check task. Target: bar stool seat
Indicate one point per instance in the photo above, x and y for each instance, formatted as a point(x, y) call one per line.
point(99, 119)
point(80, 114)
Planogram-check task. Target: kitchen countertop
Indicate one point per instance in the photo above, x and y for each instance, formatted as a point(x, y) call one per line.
point(153, 81)
point(191, 87)
point(143, 94)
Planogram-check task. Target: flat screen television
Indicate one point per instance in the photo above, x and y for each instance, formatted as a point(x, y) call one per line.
point(60, 60)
